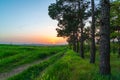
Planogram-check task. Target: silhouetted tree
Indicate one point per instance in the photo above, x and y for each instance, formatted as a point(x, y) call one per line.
point(82, 15)
point(70, 15)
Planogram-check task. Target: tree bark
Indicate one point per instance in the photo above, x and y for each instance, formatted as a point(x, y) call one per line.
point(93, 48)
point(74, 44)
point(105, 38)
point(80, 15)
point(77, 44)
point(81, 43)
point(119, 48)
point(118, 43)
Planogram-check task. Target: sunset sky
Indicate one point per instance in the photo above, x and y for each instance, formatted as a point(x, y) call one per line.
point(27, 21)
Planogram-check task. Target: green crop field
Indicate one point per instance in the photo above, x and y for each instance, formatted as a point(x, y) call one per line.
point(51, 63)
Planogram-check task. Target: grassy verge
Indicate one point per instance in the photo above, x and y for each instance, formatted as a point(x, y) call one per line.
point(72, 67)
point(35, 70)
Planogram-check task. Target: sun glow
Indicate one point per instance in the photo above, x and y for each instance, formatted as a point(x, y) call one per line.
point(47, 40)
point(53, 40)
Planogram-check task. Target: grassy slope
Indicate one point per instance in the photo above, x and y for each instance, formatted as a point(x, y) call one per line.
point(12, 56)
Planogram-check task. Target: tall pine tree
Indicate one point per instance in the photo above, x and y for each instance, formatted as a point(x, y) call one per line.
point(105, 38)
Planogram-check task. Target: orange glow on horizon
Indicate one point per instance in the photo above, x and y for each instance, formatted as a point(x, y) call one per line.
point(49, 40)
point(35, 39)
point(41, 40)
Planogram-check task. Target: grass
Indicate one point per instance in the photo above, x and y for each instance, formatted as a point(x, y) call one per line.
point(68, 67)
point(72, 67)
point(35, 70)
point(12, 56)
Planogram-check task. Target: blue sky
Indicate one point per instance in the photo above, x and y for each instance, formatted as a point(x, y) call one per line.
point(27, 21)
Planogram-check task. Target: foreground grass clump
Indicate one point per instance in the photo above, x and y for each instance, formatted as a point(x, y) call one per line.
point(35, 70)
point(12, 56)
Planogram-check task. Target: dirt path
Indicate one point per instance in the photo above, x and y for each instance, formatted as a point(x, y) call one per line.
point(4, 76)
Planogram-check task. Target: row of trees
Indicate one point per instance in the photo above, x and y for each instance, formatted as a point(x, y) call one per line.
point(72, 17)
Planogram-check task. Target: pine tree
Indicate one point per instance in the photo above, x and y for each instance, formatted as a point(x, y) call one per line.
point(105, 38)
point(93, 49)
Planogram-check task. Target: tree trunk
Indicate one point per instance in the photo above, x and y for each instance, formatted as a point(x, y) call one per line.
point(93, 49)
point(81, 26)
point(81, 43)
point(118, 44)
point(77, 44)
point(105, 38)
point(119, 48)
point(74, 43)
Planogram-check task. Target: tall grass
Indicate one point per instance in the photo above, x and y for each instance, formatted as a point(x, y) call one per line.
point(72, 67)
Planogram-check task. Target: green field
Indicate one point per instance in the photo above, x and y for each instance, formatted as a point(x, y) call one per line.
point(53, 63)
